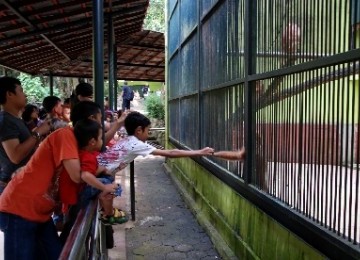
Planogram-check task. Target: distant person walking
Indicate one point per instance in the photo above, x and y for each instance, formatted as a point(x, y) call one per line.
point(145, 91)
point(127, 96)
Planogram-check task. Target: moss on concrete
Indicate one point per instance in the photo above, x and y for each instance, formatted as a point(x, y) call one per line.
point(232, 221)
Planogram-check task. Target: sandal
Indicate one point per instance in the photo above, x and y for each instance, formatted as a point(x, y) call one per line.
point(119, 213)
point(118, 217)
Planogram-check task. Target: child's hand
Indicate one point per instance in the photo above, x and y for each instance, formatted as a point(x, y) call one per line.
point(207, 151)
point(121, 119)
point(110, 188)
point(242, 153)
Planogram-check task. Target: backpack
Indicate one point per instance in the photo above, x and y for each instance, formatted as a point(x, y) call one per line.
point(131, 95)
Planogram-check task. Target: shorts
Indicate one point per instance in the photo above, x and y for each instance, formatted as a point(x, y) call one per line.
point(89, 193)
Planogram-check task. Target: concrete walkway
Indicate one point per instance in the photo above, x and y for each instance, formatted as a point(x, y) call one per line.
point(164, 228)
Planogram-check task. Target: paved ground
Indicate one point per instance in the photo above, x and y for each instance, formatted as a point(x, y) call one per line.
point(164, 228)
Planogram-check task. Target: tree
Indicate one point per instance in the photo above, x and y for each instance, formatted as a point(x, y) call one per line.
point(35, 89)
point(155, 18)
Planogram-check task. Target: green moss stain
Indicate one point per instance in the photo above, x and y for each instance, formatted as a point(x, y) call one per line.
point(247, 231)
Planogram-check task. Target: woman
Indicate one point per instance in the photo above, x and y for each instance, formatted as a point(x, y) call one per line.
point(31, 116)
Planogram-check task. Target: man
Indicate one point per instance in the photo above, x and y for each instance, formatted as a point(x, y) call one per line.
point(17, 142)
point(145, 91)
point(126, 93)
point(83, 92)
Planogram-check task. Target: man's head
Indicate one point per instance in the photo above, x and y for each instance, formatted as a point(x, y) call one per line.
point(86, 109)
point(11, 92)
point(53, 105)
point(88, 134)
point(138, 125)
point(84, 92)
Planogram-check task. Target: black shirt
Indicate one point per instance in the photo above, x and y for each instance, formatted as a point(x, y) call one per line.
point(11, 127)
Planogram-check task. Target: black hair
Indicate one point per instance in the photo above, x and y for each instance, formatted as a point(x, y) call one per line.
point(84, 109)
point(67, 101)
point(7, 84)
point(42, 114)
point(29, 109)
point(134, 120)
point(50, 102)
point(84, 89)
point(85, 130)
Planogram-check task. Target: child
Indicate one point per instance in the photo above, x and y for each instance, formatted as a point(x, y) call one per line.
point(137, 127)
point(89, 136)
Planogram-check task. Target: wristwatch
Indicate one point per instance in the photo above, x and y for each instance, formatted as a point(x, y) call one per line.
point(36, 135)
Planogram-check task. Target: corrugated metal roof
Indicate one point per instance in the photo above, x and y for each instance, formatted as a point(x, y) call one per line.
point(43, 36)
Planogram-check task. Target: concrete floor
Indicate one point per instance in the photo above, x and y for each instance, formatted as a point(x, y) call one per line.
point(164, 227)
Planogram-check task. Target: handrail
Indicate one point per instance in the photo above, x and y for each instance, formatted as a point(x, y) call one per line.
point(157, 129)
point(85, 239)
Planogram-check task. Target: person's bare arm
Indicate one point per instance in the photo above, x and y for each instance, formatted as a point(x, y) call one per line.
point(101, 169)
point(17, 151)
point(176, 153)
point(115, 126)
point(231, 155)
point(72, 166)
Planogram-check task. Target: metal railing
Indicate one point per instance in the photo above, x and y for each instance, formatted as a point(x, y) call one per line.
point(87, 237)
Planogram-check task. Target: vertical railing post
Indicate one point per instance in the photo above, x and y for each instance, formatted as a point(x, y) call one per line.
point(98, 56)
point(250, 68)
point(132, 190)
point(111, 70)
point(51, 79)
point(115, 77)
point(98, 51)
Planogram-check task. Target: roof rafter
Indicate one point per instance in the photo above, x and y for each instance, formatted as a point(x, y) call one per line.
point(28, 22)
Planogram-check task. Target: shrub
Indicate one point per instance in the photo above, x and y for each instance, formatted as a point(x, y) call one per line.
point(155, 107)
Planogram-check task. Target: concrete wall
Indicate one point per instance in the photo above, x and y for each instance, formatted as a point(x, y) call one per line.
point(238, 229)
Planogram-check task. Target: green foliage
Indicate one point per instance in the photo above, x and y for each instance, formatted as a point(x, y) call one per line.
point(155, 107)
point(155, 17)
point(34, 88)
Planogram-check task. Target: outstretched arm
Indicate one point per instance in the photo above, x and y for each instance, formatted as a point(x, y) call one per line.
point(115, 126)
point(231, 155)
point(176, 153)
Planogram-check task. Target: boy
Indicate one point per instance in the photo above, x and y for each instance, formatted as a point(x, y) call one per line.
point(137, 127)
point(88, 134)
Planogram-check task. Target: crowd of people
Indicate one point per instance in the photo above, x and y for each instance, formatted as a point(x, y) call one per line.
point(49, 168)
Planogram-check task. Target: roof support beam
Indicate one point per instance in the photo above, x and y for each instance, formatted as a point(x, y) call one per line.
point(28, 22)
point(130, 64)
point(119, 13)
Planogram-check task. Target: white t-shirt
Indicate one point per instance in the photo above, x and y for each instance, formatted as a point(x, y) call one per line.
point(130, 147)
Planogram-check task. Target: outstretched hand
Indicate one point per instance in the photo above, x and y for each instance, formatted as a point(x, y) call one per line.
point(242, 154)
point(121, 119)
point(207, 151)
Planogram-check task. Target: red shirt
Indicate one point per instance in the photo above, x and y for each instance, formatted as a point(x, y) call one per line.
point(69, 190)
